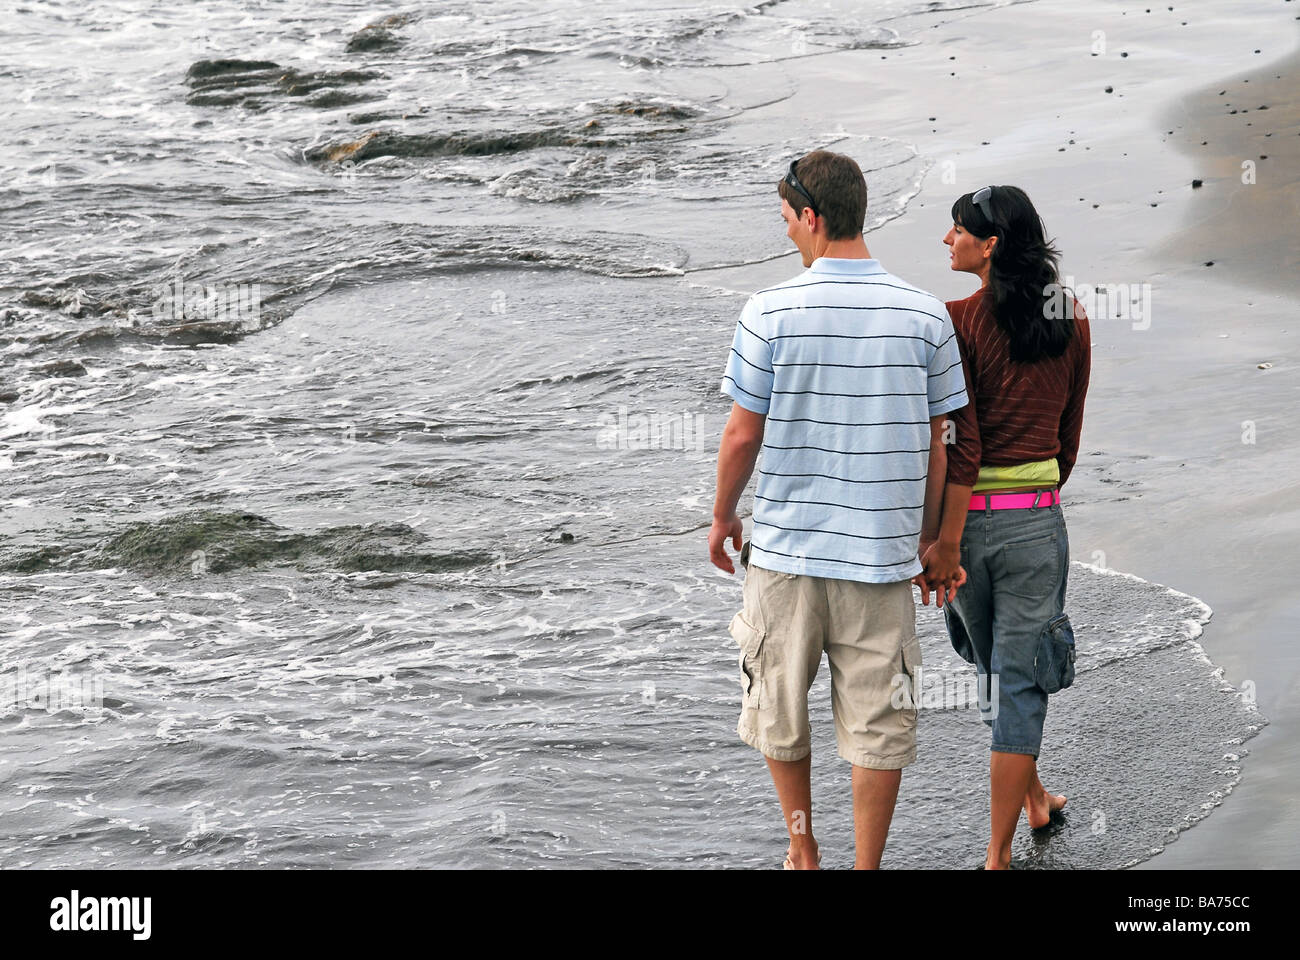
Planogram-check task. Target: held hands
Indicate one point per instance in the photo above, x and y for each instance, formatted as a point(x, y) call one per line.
point(943, 571)
point(718, 535)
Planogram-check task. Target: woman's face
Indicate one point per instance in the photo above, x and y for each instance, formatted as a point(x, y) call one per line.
point(969, 252)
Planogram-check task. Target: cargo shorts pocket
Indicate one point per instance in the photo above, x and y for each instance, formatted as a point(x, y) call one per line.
point(912, 667)
point(1054, 659)
point(957, 634)
point(751, 659)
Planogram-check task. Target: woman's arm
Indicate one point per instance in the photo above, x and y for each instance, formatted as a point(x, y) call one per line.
point(943, 561)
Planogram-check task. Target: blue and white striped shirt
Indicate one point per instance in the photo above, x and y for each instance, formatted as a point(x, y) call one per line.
point(848, 363)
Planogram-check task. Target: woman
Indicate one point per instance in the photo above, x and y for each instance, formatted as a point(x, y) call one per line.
point(1026, 352)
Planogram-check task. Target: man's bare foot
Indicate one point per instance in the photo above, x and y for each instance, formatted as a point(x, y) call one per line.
point(1040, 805)
point(804, 856)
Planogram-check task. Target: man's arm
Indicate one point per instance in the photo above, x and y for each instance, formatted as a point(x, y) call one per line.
point(935, 472)
point(934, 481)
point(965, 448)
point(951, 430)
point(742, 438)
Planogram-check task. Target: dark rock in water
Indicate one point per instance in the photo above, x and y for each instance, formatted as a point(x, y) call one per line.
point(186, 334)
point(623, 122)
point(251, 82)
point(200, 542)
point(382, 143)
point(566, 537)
point(8, 396)
point(1197, 184)
point(235, 84)
point(378, 583)
point(201, 331)
point(387, 548)
point(60, 368)
point(224, 100)
point(297, 84)
point(36, 561)
point(378, 35)
point(336, 153)
point(203, 69)
point(339, 98)
point(73, 300)
point(378, 116)
point(672, 110)
point(373, 37)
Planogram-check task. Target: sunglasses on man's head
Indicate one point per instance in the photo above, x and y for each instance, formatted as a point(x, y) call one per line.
point(794, 184)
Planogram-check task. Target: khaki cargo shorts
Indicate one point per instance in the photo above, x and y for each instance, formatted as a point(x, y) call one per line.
point(868, 631)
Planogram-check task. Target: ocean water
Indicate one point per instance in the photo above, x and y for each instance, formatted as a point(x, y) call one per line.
point(357, 422)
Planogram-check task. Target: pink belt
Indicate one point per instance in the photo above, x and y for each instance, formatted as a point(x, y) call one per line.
point(1004, 501)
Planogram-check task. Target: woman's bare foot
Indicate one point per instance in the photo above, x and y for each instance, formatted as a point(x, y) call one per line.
point(804, 856)
point(997, 859)
point(1040, 805)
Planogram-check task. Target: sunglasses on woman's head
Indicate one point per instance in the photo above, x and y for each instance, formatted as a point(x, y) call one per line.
point(981, 199)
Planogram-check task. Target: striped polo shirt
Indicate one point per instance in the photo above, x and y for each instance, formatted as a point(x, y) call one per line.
point(848, 363)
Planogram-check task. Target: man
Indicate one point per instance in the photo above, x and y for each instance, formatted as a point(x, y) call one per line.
point(842, 376)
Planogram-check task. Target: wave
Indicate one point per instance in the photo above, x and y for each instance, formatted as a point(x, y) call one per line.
point(287, 266)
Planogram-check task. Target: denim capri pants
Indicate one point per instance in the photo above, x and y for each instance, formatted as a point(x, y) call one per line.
point(1009, 618)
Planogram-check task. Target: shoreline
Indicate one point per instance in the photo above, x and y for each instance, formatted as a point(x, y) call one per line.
point(1163, 432)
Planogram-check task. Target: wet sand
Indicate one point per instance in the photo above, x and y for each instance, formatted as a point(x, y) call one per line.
point(1187, 460)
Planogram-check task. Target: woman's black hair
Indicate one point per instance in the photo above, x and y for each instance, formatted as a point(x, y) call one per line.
point(1024, 281)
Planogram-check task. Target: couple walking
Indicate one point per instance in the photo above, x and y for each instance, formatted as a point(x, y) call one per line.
point(904, 442)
